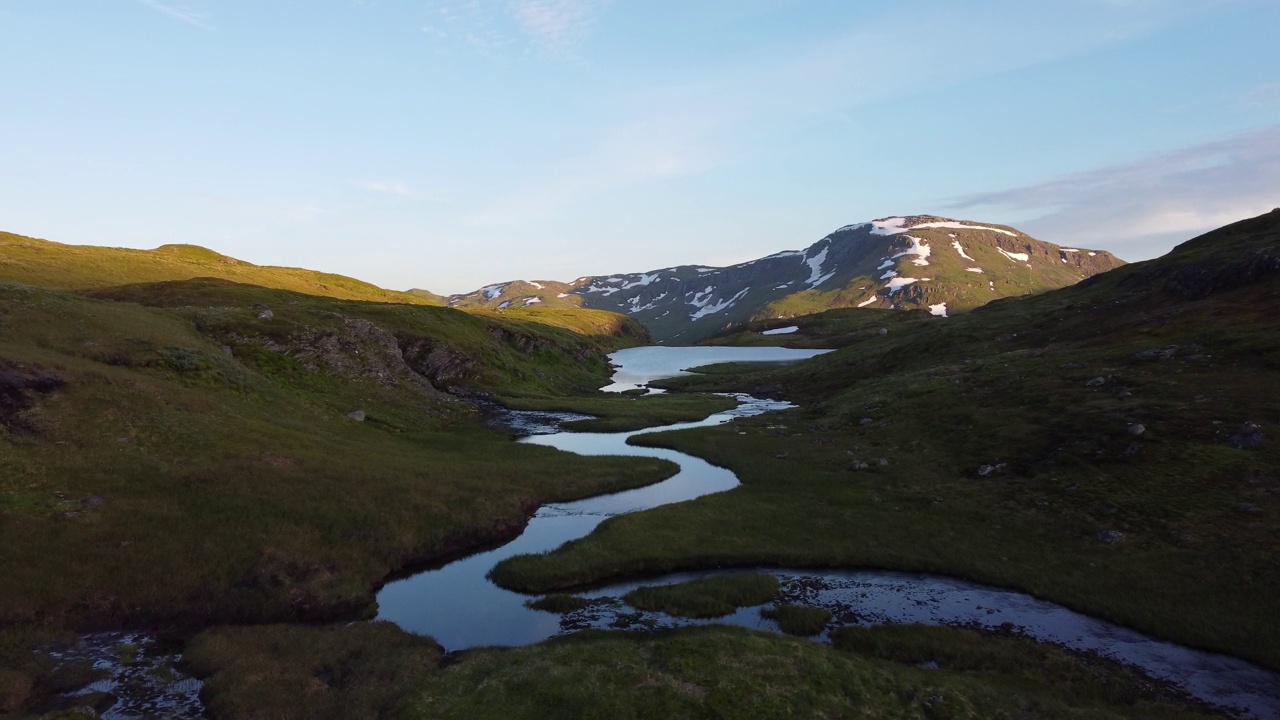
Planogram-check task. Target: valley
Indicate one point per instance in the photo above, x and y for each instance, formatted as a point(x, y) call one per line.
point(239, 467)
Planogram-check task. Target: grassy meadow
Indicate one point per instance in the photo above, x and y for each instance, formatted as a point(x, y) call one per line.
point(1109, 446)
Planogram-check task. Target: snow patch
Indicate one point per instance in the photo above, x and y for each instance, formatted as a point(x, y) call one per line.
point(783, 286)
point(1092, 254)
point(891, 273)
point(977, 270)
point(644, 280)
point(956, 244)
point(897, 284)
point(712, 308)
point(940, 309)
point(889, 226)
point(562, 295)
point(1017, 257)
point(886, 264)
point(535, 284)
point(504, 305)
point(867, 302)
point(919, 248)
point(532, 301)
point(815, 267)
point(961, 226)
point(704, 271)
point(785, 253)
point(493, 291)
point(782, 330)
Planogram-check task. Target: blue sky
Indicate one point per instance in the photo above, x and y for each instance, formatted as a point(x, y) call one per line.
point(446, 144)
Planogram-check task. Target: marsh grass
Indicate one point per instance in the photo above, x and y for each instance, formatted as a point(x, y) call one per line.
point(375, 670)
point(1007, 387)
point(705, 598)
point(801, 620)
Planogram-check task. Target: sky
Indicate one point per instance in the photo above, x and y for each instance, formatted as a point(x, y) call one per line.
point(449, 144)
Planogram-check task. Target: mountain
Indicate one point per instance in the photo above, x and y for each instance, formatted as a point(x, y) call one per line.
point(914, 262)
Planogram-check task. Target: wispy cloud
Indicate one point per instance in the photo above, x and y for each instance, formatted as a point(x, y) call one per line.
point(556, 24)
point(1140, 209)
point(180, 13)
point(491, 26)
point(389, 188)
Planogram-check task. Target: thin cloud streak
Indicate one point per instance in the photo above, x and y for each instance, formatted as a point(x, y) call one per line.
point(1141, 209)
point(182, 14)
point(556, 24)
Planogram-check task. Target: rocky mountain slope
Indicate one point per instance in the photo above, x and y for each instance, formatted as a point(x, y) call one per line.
point(917, 262)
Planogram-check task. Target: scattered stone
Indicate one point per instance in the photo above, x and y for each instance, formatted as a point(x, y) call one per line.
point(882, 331)
point(865, 422)
point(1125, 392)
point(357, 415)
point(1163, 353)
point(1249, 437)
point(929, 665)
point(1248, 508)
point(1072, 487)
point(993, 469)
point(226, 350)
point(1096, 382)
point(781, 456)
point(1110, 537)
point(93, 501)
point(882, 462)
point(860, 465)
point(266, 315)
point(70, 514)
point(1137, 429)
point(1133, 449)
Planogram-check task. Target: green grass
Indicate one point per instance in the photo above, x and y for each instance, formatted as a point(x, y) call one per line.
point(1007, 386)
point(801, 620)
point(83, 267)
point(617, 412)
point(706, 598)
point(715, 672)
point(192, 464)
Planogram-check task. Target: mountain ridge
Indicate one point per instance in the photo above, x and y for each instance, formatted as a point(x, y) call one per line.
point(873, 264)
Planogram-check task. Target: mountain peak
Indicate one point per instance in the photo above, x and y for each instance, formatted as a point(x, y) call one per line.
point(925, 262)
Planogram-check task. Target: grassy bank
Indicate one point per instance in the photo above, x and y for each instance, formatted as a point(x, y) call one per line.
point(1109, 446)
point(191, 453)
point(369, 671)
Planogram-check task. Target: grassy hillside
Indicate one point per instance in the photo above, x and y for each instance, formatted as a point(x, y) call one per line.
point(194, 452)
point(1110, 446)
point(82, 267)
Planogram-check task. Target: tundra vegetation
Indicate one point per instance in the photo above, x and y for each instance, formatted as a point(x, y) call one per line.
point(236, 463)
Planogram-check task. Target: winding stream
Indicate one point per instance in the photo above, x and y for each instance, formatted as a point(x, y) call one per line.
point(458, 606)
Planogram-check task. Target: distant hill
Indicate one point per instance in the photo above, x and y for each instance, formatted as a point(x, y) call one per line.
point(84, 267)
point(923, 262)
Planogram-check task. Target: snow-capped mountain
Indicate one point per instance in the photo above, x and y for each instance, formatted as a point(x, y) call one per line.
point(917, 262)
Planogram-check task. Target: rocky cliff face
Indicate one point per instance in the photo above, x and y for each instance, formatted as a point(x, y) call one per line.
point(917, 262)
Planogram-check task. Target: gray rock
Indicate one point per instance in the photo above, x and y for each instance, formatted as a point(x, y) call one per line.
point(882, 462)
point(1249, 437)
point(865, 422)
point(860, 466)
point(1137, 429)
point(1162, 353)
point(882, 331)
point(357, 415)
point(93, 501)
point(992, 469)
point(266, 314)
point(1110, 537)
point(1096, 382)
point(929, 665)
